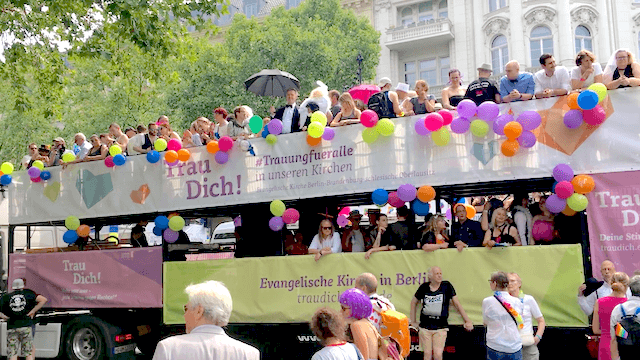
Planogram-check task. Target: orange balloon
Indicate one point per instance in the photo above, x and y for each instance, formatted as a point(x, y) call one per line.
point(510, 147)
point(568, 211)
point(172, 215)
point(313, 141)
point(426, 193)
point(512, 130)
point(83, 230)
point(171, 156)
point(1, 173)
point(471, 211)
point(183, 155)
point(212, 147)
point(583, 184)
point(572, 101)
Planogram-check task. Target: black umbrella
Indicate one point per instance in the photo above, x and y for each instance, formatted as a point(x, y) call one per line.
point(271, 82)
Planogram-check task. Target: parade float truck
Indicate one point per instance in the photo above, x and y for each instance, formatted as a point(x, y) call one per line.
point(106, 299)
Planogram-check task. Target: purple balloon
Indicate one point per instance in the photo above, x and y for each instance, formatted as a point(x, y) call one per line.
point(407, 192)
point(530, 120)
point(342, 220)
point(175, 163)
point(221, 157)
point(460, 125)
point(573, 119)
point(501, 121)
point(555, 204)
point(420, 128)
point(563, 172)
point(170, 236)
point(33, 172)
point(328, 134)
point(275, 127)
point(467, 109)
point(488, 111)
point(276, 223)
point(527, 139)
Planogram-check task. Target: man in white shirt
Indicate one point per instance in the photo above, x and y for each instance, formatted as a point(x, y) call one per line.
point(588, 302)
point(289, 114)
point(208, 309)
point(33, 151)
point(631, 306)
point(530, 311)
point(552, 80)
point(503, 336)
point(83, 144)
point(368, 283)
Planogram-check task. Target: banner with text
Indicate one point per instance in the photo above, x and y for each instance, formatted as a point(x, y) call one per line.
point(126, 278)
point(291, 288)
point(614, 221)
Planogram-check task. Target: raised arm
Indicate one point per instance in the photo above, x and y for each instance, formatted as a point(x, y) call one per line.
point(468, 325)
point(41, 300)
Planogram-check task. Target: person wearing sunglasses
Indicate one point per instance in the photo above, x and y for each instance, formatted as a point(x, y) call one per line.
point(327, 241)
point(33, 151)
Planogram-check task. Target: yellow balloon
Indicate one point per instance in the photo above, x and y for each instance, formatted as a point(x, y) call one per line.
point(6, 168)
point(385, 127)
point(319, 117)
point(599, 89)
point(68, 157)
point(115, 150)
point(441, 137)
point(38, 164)
point(315, 130)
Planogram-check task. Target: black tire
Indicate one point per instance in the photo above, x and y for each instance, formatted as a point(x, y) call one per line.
point(84, 342)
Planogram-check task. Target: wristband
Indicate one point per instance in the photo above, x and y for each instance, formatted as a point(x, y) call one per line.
point(582, 79)
point(539, 337)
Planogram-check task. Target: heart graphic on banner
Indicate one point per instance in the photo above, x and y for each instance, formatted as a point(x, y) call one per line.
point(484, 152)
point(52, 191)
point(93, 188)
point(140, 195)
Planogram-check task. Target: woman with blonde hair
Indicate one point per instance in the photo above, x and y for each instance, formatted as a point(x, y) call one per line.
point(621, 71)
point(602, 313)
point(500, 232)
point(586, 72)
point(326, 241)
point(349, 114)
point(423, 103)
point(434, 234)
point(167, 133)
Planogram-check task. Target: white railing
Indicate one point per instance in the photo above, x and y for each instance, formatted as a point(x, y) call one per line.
point(421, 29)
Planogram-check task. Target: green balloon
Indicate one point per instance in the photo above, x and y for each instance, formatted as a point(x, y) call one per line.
point(577, 202)
point(370, 135)
point(176, 223)
point(441, 137)
point(315, 130)
point(255, 124)
point(72, 222)
point(599, 89)
point(479, 128)
point(160, 145)
point(271, 139)
point(277, 207)
point(68, 157)
point(385, 127)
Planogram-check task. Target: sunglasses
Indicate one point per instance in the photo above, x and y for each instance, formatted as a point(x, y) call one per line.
point(326, 228)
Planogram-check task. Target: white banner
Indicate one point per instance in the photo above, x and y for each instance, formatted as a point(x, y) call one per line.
point(292, 169)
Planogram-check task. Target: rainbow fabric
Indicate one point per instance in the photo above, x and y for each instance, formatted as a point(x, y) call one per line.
point(516, 315)
point(621, 332)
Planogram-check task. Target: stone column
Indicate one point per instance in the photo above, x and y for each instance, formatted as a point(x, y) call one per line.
point(564, 54)
point(604, 49)
point(517, 48)
point(382, 22)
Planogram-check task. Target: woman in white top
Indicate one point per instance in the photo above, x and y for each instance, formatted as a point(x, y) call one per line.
point(327, 241)
point(587, 71)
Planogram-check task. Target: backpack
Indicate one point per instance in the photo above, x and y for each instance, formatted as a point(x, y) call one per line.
point(379, 103)
point(627, 332)
point(394, 330)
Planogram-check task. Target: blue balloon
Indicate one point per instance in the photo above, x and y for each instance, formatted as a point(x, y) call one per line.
point(380, 196)
point(70, 236)
point(420, 208)
point(553, 187)
point(162, 222)
point(152, 156)
point(157, 231)
point(587, 100)
point(45, 175)
point(265, 132)
point(5, 179)
point(459, 201)
point(119, 159)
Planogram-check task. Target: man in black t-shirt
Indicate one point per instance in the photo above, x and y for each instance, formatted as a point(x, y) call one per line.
point(19, 308)
point(483, 89)
point(435, 297)
point(402, 234)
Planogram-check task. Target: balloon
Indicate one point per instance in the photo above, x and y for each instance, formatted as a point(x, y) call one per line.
point(153, 156)
point(433, 121)
point(162, 222)
point(583, 184)
point(157, 231)
point(562, 172)
point(45, 175)
point(420, 208)
point(255, 124)
point(595, 116)
point(277, 207)
point(441, 137)
point(5, 179)
point(530, 120)
point(420, 128)
point(394, 200)
point(587, 100)
point(313, 141)
point(479, 128)
point(380, 196)
point(527, 139)
point(172, 215)
point(555, 204)
point(119, 159)
point(160, 144)
point(221, 157)
point(342, 220)
point(426, 193)
point(600, 89)
point(71, 222)
point(176, 223)
point(345, 211)
point(272, 139)
point(564, 189)
point(170, 156)
point(36, 179)
point(572, 101)
point(170, 236)
point(244, 145)
point(568, 211)
point(276, 223)
point(6, 168)
point(466, 109)
point(319, 117)
point(471, 211)
point(542, 231)
point(290, 216)
point(385, 127)
point(501, 122)
point(115, 150)
point(108, 161)
point(225, 143)
point(577, 202)
point(573, 119)
point(369, 135)
point(488, 111)
point(369, 118)
point(512, 130)
point(510, 148)
point(184, 155)
point(83, 230)
point(328, 134)
point(174, 144)
point(407, 192)
point(460, 125)
point(38, 164)
point(265, 132)
point(275, 127)
point(553, 187)
point(315, 130)
point(212, 147)
point(34, 172)
point(447, 116)
point(70, 237)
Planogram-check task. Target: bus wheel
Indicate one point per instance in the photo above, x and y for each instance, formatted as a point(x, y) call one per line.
point(84, 342)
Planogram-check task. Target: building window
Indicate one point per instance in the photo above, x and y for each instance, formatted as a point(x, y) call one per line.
point(407, 16)
point(444, 70)
point(583, 39)
point(499, 53)
point(433, 71)
point(497, 4)
point(541, 43)
point(429, 71)
point(410, 73)
point(425, 11)
point(443, 10)
point(251, 9)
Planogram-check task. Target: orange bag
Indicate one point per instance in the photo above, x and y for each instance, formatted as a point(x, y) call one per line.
point(395, 325)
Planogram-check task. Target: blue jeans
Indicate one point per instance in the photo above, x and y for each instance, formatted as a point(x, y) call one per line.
point(498, 355)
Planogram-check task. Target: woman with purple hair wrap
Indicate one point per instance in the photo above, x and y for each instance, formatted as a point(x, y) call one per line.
point(356, 308)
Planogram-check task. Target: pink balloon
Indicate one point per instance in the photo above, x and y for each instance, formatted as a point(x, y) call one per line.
point(595, 116)
point(225, 143)
point(345, 211)
point(433, 122)
point(108, 161)
point(542, 230)
point(369, 118)
point(564, 189)
point(290, 216)
point(174, 144)
point(36, 179)
point(394, 200)
point(447, 116)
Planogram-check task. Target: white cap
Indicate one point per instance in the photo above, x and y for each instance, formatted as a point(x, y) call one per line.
point(17, 284)
point(402, 87)
point(384, 81)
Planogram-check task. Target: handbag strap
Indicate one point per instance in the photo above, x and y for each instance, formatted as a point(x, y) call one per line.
point(507, 310)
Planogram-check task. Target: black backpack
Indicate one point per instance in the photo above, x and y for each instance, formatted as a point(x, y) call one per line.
point(629, 346)
point(379, 103)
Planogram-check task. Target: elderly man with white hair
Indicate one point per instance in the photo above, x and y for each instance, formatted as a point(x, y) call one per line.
point(368, 283)
point(208, 309)
point(83, 144)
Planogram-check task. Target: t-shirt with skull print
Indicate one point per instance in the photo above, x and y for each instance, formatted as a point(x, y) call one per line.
point(16, 305)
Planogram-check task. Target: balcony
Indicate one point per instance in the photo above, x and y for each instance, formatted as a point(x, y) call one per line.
point(433, 31)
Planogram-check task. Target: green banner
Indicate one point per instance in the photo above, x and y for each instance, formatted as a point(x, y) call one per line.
point(290, 288)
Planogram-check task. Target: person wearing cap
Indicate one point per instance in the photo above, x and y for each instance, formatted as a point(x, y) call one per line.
point(57, 150)
point(19, 309)
point(587, 297)
point(483, 89)
point(43, 155)
point(514, 85)
point(354, 238)
point(404, 95)
point(385, 103)
point(551, 80)
point(465, 232)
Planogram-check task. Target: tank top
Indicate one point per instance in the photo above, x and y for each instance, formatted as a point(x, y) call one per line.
point(455, 99)
point(147, 142)
point(627, 72)
point(542, 230)
point(97, 152)
point(349, 117)
point(504, 237)
point(420, 108)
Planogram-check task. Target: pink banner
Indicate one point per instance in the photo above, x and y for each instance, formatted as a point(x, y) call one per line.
point(613, 216)
point(123, 278)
